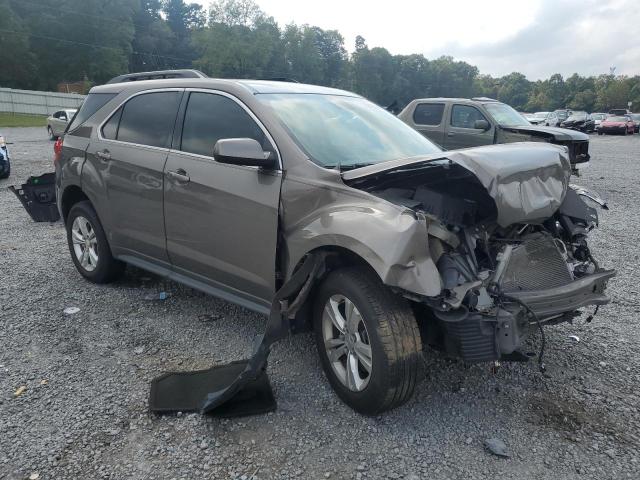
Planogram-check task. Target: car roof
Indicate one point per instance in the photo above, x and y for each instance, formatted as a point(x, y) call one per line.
point(253, 86)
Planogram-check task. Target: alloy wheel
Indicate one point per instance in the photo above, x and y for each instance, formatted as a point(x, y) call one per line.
point(85, 243)
point(347, 342)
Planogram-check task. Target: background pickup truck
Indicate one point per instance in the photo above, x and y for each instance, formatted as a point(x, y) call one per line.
point(455, 123)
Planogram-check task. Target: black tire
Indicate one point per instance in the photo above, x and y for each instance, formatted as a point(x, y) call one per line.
point(393, 335)
point(51, 135)
point(107, 268)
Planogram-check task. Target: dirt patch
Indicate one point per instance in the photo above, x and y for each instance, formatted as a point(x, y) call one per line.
point(571, 417)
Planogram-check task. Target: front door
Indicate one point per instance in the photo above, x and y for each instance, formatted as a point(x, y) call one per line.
point(461, 131)
point(130, 155)
point(221, 220)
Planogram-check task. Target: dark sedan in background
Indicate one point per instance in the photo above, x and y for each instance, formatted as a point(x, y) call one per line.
point(581, 121)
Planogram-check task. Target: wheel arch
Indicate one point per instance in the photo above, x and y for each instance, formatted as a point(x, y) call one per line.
point(70, 196)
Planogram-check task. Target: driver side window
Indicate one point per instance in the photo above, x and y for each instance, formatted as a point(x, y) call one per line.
point(210, 117)
point(465, 116)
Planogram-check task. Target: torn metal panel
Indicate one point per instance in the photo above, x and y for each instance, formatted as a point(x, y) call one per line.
point(527, 182)
point(390, 238)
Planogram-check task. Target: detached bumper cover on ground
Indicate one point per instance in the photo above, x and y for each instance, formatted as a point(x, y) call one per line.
point(239, 388)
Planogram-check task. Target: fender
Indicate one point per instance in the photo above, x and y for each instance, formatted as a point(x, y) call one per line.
point(391, 239)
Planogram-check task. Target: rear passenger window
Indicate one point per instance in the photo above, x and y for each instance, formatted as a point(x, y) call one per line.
point(465, 116)
point(428, 113)
point(210, 117)
point(148, 119)
point(110, 129)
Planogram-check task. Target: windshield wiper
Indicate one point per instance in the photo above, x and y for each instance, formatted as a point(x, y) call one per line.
point(353, 166)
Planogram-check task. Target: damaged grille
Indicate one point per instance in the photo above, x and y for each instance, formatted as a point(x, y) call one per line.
point(578, 151)
point(536, 264)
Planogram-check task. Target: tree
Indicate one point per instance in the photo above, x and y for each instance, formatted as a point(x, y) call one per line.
point(17, 62)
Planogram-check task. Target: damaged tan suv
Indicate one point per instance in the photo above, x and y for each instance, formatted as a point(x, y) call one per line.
point(229, 185)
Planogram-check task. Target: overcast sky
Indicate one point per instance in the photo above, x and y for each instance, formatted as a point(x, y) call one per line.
point(535, 37)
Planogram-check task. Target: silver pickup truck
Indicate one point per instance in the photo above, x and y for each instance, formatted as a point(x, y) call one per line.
point(455, 123)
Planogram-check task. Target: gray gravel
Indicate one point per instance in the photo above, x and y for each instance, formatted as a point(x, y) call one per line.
point(84, 411)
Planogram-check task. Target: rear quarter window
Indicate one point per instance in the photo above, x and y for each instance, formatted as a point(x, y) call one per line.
point(91, 104)
point(428, 114)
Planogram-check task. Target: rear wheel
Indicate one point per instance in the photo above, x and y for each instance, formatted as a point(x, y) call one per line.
point(368, 341)
point(88, 245)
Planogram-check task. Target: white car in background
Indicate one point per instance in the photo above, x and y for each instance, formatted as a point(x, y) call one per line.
point(539, 118)
point(58, 121)
point(598, 118)
point(551, 119)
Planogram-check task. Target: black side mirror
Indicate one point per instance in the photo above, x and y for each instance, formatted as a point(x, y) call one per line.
point(481, 125)
point(242, 151)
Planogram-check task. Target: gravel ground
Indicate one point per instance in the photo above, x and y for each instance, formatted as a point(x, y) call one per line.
point(84, 413)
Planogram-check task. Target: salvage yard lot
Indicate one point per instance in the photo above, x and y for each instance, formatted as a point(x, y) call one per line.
point(84, 411)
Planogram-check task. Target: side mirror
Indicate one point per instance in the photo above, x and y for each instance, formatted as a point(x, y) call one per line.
point(481, 125)
point(242, 151)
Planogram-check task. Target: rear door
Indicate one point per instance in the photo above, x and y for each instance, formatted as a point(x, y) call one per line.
point(461, 132)
point(221, 220)
point(129, 157)
point(428, 120)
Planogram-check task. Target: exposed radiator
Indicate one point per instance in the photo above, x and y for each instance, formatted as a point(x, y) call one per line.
point(536, 264)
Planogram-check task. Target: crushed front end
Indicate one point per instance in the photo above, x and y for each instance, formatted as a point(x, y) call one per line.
point(508, 235)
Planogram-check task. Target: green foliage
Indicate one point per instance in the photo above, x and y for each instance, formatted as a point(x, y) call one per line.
point(45, 42)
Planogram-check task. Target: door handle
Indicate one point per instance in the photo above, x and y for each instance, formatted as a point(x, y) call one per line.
point(451, 134)
point(179, 175)
point(104, 155)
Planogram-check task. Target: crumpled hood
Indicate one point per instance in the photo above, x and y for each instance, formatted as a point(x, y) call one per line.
point(527, 181)
point(559, 134)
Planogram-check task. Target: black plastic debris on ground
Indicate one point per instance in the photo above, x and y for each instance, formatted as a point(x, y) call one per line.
point(239, 388)
point(185, 391)
point(38, 197)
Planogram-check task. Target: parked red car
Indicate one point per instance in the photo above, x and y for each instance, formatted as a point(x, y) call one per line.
point(617, 124)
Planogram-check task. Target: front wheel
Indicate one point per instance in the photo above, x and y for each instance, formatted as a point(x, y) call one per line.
point(88, 245)
point(368, 341)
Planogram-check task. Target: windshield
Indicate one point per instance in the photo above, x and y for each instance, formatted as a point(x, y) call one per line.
point(598, 116)
point(541, 114)
point(617, 119)
point(562, 115)
point(341, 131)
point(505, 115)
point(635, 116)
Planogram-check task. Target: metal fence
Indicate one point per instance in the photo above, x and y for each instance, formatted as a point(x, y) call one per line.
point(37, 103)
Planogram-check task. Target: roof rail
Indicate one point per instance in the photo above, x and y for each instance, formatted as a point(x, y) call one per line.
point(157, 75)
point(281, 79)
point(484, 99)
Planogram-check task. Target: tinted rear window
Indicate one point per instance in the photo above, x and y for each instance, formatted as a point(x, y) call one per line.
point(148, 119)
point(428, 113)
point(91, 104)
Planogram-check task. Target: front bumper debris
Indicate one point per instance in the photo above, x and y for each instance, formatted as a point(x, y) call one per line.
point(242, 387)
point(588, 290)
